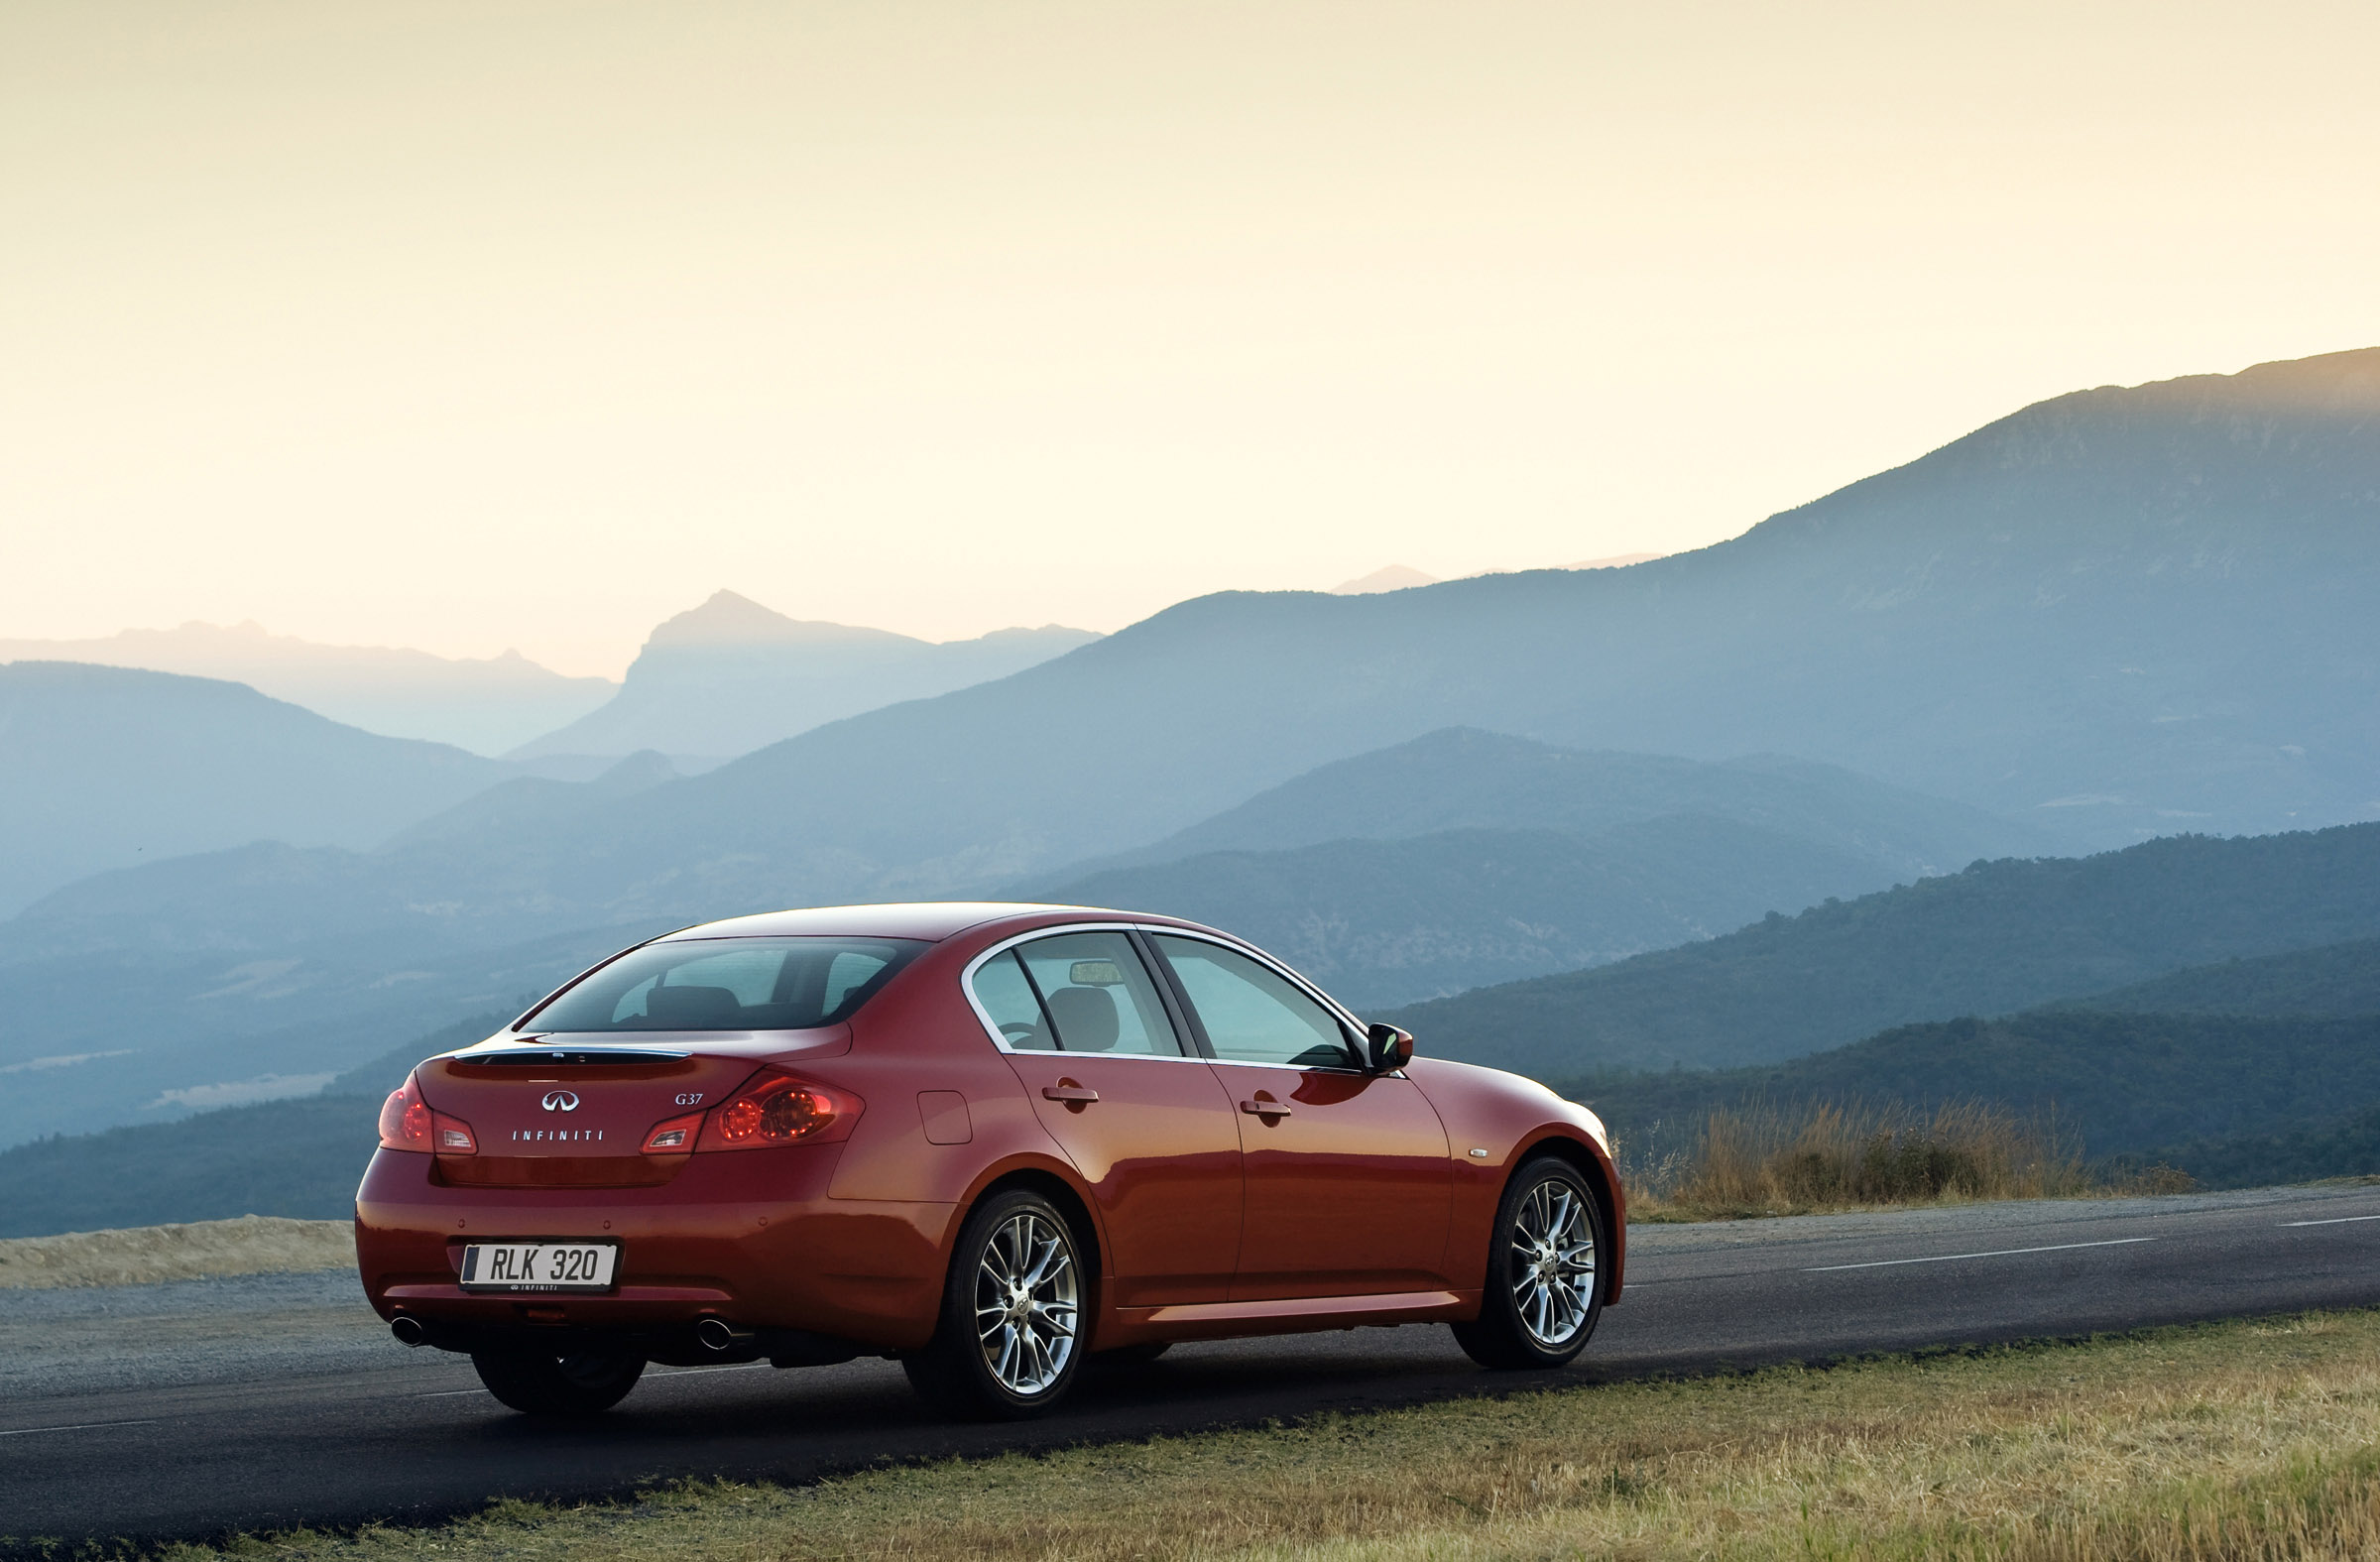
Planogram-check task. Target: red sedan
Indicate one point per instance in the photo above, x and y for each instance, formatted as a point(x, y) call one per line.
point(989, 1140)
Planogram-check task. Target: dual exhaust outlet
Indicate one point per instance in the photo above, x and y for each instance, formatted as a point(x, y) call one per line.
point(716, 1335)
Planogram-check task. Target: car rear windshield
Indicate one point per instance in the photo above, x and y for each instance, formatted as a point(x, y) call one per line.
point(728, 984)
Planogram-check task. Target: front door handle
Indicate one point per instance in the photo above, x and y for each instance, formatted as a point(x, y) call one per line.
point(1076, 1094)
point(1265, 1109)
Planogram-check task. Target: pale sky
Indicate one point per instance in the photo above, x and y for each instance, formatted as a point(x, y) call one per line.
point(470, 326)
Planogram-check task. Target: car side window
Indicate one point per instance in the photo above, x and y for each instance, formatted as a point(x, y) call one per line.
point(1000, 987)
point(1251, 1012)
point(1097, 997)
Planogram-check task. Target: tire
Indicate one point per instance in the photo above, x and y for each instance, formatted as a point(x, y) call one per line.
point(1544, 1292)
point(547, 1383)
point(1008, 1344)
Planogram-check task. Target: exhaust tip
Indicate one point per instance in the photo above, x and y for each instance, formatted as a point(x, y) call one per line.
point(409, 1330)
point(717, 1334)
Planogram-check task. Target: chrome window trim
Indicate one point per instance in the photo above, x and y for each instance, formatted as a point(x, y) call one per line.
point(1329, 1004)
point(984, 1017)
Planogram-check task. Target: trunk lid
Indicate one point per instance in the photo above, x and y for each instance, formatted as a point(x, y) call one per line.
point(563, 1112)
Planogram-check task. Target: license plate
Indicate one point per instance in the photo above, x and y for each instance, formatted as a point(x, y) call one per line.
point(540, 1265)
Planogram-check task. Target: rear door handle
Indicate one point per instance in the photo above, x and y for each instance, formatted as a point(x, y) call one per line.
point(1265, 1109)
point(1068, 1093)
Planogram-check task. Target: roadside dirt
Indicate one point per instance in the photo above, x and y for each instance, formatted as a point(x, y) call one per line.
point(144, 1255)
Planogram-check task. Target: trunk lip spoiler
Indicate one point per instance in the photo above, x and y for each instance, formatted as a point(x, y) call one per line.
point(570, 1056)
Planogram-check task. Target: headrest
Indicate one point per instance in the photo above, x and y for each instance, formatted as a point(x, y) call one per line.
point(690, 1006)
point(1085, 1016)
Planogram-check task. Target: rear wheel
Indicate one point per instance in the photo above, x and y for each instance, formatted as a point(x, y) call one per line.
point(1007, 1345)
point(1543, 1295)
point(554, 1382)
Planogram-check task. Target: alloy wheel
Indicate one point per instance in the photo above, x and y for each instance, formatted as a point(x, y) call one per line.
point(1026, 1303)
point(1553, 1263)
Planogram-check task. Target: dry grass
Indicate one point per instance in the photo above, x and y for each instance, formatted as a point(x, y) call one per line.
point(2249, 1440)
point(1767, 1159)
point(140, 1255)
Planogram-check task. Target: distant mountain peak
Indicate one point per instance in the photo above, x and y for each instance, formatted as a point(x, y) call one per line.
point(729, 619)
point(1392, 577)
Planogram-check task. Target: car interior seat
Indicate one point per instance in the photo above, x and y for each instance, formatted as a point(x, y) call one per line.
point(1086, 1019)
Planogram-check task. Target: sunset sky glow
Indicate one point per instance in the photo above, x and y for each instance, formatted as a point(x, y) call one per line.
point(470, 327)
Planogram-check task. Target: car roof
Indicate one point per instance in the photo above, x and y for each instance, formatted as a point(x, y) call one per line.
point(932, 920)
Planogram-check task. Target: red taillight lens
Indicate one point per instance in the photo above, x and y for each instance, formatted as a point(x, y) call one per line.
point(405, 1118)
point(675, 1137)
point(777, 1108)
point(408, 1122)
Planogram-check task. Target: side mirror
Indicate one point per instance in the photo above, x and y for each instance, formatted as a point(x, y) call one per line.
point(1388, 1049)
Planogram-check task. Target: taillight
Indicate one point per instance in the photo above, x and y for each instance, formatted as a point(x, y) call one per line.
point(405, 1118)
point(675, 1137)
point(408, 1122)
point(779, 1109)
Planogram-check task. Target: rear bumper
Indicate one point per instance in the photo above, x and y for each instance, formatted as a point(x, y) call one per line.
point(749, 1237)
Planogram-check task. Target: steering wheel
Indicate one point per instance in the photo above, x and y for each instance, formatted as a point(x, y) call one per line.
point(1018, 1030)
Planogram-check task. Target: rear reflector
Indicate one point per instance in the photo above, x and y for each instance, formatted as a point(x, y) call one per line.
point(453, 1135)
point(675, 1137)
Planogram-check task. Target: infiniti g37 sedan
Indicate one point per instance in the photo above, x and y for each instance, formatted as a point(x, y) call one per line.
point(991, 1141)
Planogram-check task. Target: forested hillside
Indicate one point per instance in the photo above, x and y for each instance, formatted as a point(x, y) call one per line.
point(2125, 1083)
point(2335, 979)
point(1997, 938)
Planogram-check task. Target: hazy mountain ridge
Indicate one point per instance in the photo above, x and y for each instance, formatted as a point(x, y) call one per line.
point(103, 768)
point(1468, 857)
point(1382, 922)
point(1997, 938)
point(1464, 779)
point(730, 676)
point(486, 705)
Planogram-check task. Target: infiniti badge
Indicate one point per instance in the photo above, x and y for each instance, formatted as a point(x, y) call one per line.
point(560, 1101)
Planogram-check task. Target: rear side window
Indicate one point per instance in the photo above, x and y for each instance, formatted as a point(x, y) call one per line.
point(1251, 1012)
point(1004, 994)
point(1076, 993)
point(728, 984)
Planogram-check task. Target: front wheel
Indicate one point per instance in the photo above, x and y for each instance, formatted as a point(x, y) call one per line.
point(1542, 1297)
point(1007, 1345)
point(550, 1383)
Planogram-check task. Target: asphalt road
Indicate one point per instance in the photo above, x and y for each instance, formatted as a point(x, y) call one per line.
point(190, 1409)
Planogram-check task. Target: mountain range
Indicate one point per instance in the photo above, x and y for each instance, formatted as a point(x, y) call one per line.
point(1992, 939)
point(2121, 613)
point(2111, 616)
point(2273, 1073)
point(485, 705)
point(1468, 857)
point(731, 676)
point(104, 767)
